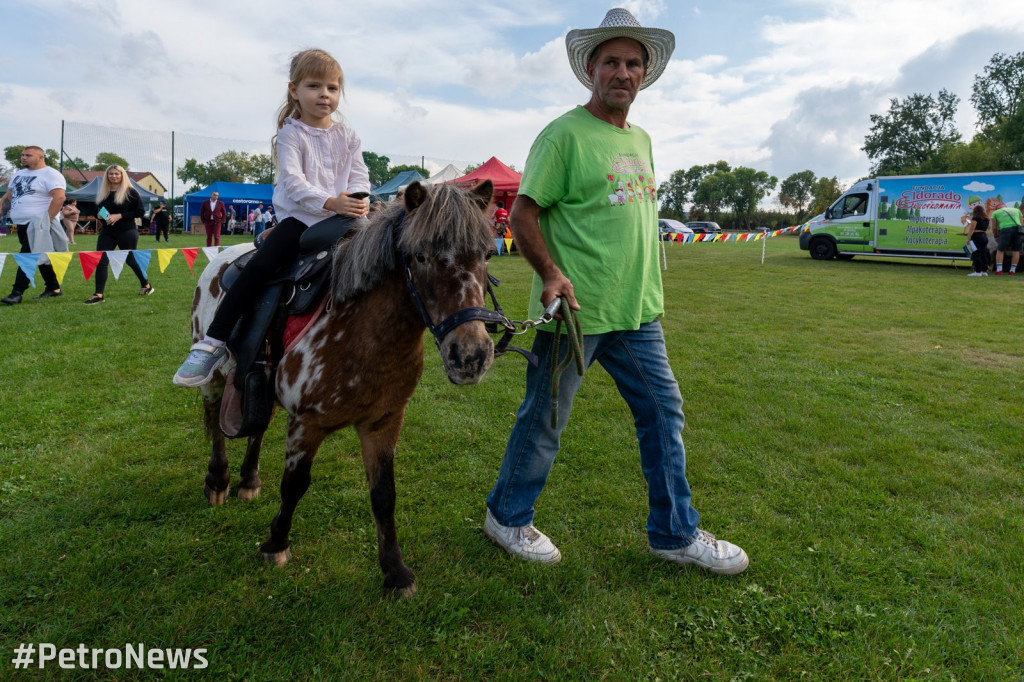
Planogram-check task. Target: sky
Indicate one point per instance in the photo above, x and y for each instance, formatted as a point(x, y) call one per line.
point(780, 86)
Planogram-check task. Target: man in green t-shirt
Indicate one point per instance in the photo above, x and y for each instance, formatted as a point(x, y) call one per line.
point(586, 219)
point(1007, 221)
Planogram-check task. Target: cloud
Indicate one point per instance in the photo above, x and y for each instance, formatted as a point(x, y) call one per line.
point(978, 186)
point(824, 132)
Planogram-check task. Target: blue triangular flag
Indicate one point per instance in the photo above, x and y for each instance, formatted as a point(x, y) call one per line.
point(142, 258)
point(27, 262)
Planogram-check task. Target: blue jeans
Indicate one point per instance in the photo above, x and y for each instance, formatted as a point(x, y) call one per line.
point(638, 363)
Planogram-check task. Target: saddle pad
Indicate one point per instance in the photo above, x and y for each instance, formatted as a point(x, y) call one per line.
point(297, 325)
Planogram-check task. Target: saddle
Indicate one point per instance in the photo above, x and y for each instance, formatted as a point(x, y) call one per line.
point(257, 342)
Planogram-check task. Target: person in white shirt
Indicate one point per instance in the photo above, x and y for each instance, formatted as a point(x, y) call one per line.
point(34, 190)
point(320, 165)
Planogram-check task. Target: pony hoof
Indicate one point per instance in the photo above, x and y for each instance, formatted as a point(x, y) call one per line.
point(248, 494)
point(400, 592)
point(216, 497)
point(277, 558)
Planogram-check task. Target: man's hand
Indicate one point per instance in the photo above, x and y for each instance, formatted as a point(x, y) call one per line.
point(555, 286)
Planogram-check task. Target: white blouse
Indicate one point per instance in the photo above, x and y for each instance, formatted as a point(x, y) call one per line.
point(315, 164)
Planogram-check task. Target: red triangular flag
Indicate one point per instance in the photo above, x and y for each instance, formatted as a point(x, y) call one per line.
point(190, 257)
point(89, 261)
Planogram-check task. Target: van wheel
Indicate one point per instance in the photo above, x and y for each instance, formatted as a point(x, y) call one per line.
point(822, 248)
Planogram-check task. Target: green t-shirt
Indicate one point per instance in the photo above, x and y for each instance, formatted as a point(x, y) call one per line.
point(1007, 216)
point(596, 185)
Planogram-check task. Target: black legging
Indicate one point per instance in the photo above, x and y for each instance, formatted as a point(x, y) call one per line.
point(281, 246)
point(108, 240)
point(980, 257)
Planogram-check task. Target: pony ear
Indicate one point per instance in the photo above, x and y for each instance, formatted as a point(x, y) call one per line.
point(483, 193)
point(415, 194)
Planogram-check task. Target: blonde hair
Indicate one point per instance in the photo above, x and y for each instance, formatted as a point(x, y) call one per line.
point(121, 194)
point(312, 63)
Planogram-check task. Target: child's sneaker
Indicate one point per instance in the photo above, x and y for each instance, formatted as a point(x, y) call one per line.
point(200, 365)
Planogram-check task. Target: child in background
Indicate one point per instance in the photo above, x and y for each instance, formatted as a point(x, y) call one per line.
point(320, 163)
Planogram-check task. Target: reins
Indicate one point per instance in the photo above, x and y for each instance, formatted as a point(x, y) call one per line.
point(574, 351)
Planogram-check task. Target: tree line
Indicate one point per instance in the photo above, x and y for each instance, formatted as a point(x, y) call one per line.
point(917, 136)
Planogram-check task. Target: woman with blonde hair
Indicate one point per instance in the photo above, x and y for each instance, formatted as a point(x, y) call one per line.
point(118, 204)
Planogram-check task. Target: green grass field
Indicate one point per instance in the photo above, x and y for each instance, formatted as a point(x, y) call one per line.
point(855, 426)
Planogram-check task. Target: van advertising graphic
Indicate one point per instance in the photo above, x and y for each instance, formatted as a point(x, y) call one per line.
point(930, 213)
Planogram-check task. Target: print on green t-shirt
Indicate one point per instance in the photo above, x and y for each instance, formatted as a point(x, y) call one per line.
point(596, 185)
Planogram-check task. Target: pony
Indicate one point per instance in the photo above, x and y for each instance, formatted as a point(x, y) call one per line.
point(418, 264)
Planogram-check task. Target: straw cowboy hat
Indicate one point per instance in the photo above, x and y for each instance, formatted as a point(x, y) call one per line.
point(619, 23)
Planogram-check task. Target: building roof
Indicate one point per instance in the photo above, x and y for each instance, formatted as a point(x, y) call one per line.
point(87, 176)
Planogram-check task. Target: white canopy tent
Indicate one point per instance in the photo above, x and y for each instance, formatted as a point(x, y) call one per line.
point(449, 172)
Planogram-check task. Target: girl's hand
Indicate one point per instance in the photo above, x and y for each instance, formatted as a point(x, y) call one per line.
point(113, 218)
point(350, 208)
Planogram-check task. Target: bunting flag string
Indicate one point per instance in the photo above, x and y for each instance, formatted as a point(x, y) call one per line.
point(90, 260)
point(726, 237)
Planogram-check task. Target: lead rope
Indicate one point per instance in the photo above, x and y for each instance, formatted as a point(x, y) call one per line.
point(574, 353)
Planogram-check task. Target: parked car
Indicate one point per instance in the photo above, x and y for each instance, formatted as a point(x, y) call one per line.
point(669, 228)
point(704, 227)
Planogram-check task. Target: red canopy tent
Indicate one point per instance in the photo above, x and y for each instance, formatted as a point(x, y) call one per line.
point(506, 180)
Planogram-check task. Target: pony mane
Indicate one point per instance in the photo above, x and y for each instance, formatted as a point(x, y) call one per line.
point(449, 222)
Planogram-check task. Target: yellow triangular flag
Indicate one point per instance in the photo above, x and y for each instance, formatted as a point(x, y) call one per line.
point(60, 262)
point(508, 246)
point(164, 257)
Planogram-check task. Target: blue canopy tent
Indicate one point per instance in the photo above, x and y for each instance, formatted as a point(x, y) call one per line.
point(389, 189)
point(242, 196)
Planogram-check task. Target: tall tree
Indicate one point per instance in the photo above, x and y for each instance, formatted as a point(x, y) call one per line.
point(713, 192)
point(229, 166)
point(395, 170)
point(999, 93)
point(13, 156)
point(913, 131)
point(826, 190)
point(748, 187)
point(673, 195)
point(261, 169)
point(796, 191)
point(377, 164)
point(105, 159)
point(681, 187)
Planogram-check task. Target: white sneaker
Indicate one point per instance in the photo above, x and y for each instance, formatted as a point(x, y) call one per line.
point(718, 556)
point(976, 274)
point(525, 542)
